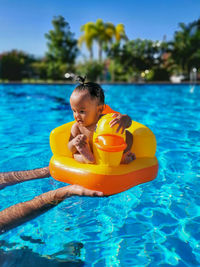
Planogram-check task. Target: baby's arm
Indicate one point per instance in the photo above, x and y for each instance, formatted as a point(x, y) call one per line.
point(79, 146)
point(124, 121)
point(74, 132)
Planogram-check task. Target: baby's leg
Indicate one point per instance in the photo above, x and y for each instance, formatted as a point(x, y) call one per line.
point(79, 158)
point(84, 154)
point(128, 156)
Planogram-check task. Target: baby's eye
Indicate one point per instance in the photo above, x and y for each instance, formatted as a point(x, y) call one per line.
point(82, 112)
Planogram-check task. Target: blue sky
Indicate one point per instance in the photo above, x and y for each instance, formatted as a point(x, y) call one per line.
point(23, 23)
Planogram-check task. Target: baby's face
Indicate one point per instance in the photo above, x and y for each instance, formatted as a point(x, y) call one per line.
point(86, 110)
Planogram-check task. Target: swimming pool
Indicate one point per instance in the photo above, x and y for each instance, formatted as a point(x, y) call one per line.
point(154, 224)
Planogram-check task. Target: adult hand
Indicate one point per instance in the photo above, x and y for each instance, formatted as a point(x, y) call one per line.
point(74, 190)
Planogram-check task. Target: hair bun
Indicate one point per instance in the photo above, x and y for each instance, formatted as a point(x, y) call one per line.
point(80, 79)
point(77, 78)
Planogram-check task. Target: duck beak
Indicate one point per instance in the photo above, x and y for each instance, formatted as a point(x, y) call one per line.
point(110, 143)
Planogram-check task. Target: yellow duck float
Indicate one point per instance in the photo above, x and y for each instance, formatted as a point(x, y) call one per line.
point(107, 174)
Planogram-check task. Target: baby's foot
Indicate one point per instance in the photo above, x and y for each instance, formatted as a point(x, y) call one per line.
point(83, 147)
point(128, 157)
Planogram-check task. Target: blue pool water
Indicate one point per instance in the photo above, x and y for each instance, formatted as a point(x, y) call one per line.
point(153, 224)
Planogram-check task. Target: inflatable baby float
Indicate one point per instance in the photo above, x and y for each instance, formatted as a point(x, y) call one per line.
point(107, 174)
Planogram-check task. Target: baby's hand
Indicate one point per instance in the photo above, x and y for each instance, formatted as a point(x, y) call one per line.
point(124, 122)
point(80, 140)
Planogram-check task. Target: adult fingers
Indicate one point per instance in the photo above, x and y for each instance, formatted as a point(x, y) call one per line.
point(81, 191)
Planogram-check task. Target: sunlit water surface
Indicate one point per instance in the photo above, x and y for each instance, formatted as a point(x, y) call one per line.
point(153, 224)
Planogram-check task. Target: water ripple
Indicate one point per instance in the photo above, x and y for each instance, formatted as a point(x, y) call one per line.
point(154, 224)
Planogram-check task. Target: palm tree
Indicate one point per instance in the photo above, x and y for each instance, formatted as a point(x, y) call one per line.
point(102, 33)
point(120, 33)
point(106, 32)
point(89, 30)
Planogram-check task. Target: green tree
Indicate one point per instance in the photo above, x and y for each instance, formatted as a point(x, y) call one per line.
point(62, 48)
point(16, 65)
point(40, 68)
point(140, 54)
point(92, 69)
point(136, 56)
point(185, 48)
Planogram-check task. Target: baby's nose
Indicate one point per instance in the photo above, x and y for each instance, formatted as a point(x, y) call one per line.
point(78, 116)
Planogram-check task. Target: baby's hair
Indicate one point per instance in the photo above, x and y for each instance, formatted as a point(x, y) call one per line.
point(94, 89)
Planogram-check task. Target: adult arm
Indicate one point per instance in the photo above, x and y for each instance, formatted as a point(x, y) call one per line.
point(25, 211)
point(15, 177)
